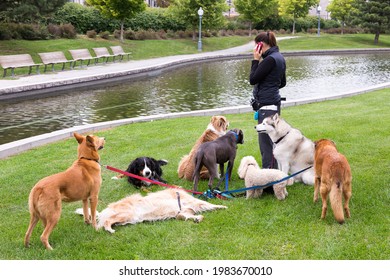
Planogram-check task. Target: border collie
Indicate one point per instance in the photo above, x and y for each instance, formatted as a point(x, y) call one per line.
point(146, 167)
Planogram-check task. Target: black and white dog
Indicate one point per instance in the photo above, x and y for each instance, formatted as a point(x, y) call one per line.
point(145, 167)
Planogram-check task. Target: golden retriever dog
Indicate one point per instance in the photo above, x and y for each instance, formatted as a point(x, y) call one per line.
point(157, 206)
point(333, 177)
point(81, 181)
point(216, 128)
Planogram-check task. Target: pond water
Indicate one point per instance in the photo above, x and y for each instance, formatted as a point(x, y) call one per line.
point(195, 87)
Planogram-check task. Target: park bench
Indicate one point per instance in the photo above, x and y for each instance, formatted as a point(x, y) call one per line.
point(81, 55)
point(102, 53)
point(17, 61)
point(118, 51)
point(54, 58)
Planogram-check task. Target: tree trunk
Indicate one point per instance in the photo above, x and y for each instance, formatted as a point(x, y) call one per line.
point(342, 28)
point(293, 31)
point(376, 40)
point(121, 38)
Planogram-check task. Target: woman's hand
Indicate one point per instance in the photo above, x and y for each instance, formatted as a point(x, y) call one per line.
point(257, 54)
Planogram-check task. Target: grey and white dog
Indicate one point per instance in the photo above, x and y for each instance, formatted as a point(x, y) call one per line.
point(292, 150)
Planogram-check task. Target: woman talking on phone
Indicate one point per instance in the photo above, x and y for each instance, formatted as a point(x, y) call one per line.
point(268, 75)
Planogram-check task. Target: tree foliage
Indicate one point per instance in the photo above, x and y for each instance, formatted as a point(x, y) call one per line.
point(119, 9)
point(187, 11)
point(374, 15)
point(341, 10)
point(296, 8)
point(29, 11)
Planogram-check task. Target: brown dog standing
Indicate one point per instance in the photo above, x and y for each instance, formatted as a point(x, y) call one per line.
point(333, 177)
point(81, 181)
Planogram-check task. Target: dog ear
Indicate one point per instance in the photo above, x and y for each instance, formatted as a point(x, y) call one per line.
point(275, 117)
point(90, 141)
point(241, 136)
point(78, 137)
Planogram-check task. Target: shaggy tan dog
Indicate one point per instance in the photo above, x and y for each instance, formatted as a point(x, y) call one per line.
point(255, 176)
point(333, 177)
point(81, 181)
point(216, 128)
point(161, 205)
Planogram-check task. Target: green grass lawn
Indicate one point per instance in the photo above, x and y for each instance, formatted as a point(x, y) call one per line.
point(254, 229)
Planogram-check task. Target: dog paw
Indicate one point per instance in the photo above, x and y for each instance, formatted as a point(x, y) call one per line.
point(198, 219)
point(114, 178)
point(110, 230)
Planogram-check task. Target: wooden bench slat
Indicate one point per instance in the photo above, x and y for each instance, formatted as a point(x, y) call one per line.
point(102, 52)
point(118, 51)
point(81, 55)
point(17, 61)
point(54, 58)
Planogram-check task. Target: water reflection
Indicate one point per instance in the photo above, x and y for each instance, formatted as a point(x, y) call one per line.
point(194, 87)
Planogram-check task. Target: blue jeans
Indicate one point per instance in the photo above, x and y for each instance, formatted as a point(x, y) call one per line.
point(265, 143)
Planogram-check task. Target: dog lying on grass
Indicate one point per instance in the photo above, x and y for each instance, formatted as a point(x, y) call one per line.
point(157, 206)
point(333, 177)
point(255, 176)
point(81, 181)
point(147, 167)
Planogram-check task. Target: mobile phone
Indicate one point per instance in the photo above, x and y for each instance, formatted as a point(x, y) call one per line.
point(259, 46)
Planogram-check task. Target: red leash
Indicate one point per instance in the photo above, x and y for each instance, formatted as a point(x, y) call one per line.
point(148, 180)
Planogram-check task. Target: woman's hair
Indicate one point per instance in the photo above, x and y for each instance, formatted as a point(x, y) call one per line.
point(266, 37)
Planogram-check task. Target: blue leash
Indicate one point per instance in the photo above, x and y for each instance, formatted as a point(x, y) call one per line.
point(226, 192)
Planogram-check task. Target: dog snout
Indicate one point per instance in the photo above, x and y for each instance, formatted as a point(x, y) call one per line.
point(147, 173)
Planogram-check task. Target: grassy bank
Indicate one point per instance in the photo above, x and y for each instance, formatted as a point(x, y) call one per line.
point(262, 228)
point(159, 48)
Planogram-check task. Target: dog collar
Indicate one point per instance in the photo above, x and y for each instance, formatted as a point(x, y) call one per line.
point(234, 134)
point(281, 138)
point(90, 159)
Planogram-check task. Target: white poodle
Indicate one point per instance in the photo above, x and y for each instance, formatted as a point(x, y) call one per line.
point(255, 176)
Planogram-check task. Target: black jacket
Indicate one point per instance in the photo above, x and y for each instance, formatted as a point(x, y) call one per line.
point(268, 76)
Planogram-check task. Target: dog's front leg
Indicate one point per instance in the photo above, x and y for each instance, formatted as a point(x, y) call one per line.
point(285, 167)
point(87, 217)
point(93, 201)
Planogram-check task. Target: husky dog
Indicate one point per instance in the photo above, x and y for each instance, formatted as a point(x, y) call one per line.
point(292, 150)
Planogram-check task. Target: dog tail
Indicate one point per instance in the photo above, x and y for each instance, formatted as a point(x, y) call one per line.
point(336, 201)
point(162, 162)
point(197, 162)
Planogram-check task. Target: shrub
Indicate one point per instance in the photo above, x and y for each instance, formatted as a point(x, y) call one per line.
point(68, 31)
point(91, 34)
point(54, 30)
point(83, 18)
point(128, 34)
point(104, 35)
point(6, 32)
